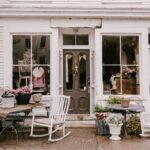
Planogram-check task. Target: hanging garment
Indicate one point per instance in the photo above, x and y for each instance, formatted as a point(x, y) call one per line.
point(38, 77)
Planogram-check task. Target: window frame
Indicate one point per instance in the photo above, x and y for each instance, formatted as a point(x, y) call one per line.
point(121, 65)
point(31, 64)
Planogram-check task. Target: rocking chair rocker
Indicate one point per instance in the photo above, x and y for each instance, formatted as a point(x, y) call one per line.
point(56, 119)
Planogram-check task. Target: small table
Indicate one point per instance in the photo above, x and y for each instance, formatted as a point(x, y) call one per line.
point(125, 110)
point(5, 113)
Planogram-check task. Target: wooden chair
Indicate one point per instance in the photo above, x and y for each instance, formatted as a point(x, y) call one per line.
point(145, 124)
point(56, 119)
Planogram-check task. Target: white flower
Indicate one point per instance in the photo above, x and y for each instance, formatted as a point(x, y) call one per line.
point(115, 118)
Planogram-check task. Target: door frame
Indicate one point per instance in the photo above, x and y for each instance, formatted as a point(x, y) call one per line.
point(90, 47)
point(73, 51)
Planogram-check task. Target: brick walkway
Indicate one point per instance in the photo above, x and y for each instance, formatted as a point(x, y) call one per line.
point(80, 139)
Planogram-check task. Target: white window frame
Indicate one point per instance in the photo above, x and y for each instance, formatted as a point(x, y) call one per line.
point(32, 65)
point(120, 58)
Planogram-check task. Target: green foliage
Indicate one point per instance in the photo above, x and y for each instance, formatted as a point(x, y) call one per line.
point(133, 125)
point(114, 100)
point(99, 109)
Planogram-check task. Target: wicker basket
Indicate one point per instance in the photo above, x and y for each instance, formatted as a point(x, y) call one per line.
point(125, 103)
point(37, 97)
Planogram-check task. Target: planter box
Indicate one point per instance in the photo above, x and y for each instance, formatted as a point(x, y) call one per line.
point(8, 102)
point(101, 127)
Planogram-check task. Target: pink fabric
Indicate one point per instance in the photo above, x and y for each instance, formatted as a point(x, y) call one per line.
point(39, 82)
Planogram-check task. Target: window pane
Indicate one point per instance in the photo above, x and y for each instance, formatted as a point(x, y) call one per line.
point(130, 80)
point(21, 76)
point(82, 71)
point(111, 80)
point(129, 50)
point(21, 49)
point(40, 49)
point(111, 47)
point(69, 39)
point(69, 73)
point(82, 39)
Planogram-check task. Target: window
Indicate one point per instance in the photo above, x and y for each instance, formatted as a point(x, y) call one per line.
point(75, 39)
point(31, 63)
point(120, 64)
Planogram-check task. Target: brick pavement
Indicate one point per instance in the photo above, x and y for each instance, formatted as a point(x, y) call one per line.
point(80, 139)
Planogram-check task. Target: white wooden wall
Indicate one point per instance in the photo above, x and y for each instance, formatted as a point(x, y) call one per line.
point(1, 57)
point(74, 3)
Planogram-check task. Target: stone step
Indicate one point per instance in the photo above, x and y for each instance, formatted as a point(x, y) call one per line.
point(79, 117)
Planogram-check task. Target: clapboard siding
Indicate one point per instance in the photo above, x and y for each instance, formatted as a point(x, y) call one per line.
point(1, 58)
point(76, 8)
point(68, 3)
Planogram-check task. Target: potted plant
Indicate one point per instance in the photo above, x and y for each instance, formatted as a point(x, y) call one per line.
point(115, 122)
point(23, 95)
point(114, 100)
point(8, 98)
point(102, 127)
point(119, 100)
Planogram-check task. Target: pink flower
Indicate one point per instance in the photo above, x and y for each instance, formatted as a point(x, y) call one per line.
point(22, 90)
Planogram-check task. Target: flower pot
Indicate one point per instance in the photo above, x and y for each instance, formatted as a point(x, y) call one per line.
point(8, 102)
point(23, 98)
point(37, 97)
point(102, 127)
point(115, 130)
point(125, 103)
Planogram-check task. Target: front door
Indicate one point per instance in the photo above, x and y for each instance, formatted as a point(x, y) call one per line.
point(77, 80)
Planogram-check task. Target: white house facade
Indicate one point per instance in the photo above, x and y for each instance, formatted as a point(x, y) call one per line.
point(86, 49)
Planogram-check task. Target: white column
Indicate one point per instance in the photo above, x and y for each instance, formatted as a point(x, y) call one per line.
point(98, 65)
point(54, 63)
point(145, 69)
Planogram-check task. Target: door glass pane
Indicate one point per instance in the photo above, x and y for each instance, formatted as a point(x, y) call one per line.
point(41, 49)
point(69, 73)
point(129, 50)
point(82, 39)
point(82, 71)
point(68, 39)
point(111, 48)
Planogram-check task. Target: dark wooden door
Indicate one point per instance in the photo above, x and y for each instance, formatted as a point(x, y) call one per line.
point(76, 77)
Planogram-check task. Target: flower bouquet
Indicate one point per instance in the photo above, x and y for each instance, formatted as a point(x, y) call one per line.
point(115, 118)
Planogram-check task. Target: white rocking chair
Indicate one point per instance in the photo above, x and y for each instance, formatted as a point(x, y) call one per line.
point(145, 124)
point(56, 119)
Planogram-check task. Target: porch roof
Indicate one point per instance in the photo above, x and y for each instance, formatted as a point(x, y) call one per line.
point(76, 8)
